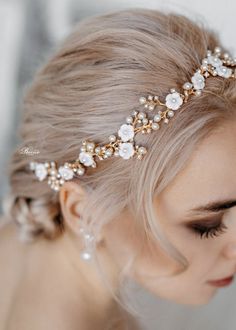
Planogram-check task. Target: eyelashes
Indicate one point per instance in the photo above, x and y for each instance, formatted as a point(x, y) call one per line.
point(207, 232)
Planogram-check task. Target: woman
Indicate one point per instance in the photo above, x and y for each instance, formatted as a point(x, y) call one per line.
point(165, 220)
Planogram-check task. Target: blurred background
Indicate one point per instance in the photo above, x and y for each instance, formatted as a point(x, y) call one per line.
point(29, 31)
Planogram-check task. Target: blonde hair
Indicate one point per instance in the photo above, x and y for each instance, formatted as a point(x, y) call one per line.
point(85, 91)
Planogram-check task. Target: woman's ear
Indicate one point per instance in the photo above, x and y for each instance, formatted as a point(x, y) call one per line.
point(72, 197)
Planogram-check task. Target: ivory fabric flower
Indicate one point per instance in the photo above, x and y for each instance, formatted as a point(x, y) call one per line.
point(223, 71)
point(198, 80)
point(85, 158)
point(126, 150)
point(66, 173)
point(214, 61)
point(173, 101)
point(40, 171)
point(126, 132)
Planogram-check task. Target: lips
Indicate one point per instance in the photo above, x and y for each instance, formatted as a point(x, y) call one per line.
point(222, 282)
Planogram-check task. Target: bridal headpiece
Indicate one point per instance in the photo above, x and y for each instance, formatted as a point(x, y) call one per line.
point(122, 144)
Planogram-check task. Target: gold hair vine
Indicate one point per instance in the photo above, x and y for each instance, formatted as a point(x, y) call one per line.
point(123, 146)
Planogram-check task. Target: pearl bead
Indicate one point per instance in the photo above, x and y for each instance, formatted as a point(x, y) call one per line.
point(151, 107)
point(157, 118)
point(112, 138)
point(226, 56)
point(88, 237)
point(80, 171)
point(129, 120)
point(155, 126)
point(187, 85)
point(142, 150)
point(97, 149)
point(217, 50)
point(141, 115)
point(108, 152)
point(171, 113)
point(142, 100)
point(145, 121)
point(204, 67)
point(85, 255)
point(90, 146)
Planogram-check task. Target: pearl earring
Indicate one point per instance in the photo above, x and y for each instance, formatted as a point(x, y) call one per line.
point(88, 238)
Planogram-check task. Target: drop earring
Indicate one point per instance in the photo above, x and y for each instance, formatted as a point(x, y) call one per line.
point(88, 238)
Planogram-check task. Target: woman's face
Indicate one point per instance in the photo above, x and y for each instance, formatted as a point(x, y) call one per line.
point(210, 177)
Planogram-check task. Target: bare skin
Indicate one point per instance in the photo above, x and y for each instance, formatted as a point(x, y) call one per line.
point(44, 286)
point(76, 289)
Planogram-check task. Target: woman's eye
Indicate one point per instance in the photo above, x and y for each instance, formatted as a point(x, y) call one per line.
point(205, 232)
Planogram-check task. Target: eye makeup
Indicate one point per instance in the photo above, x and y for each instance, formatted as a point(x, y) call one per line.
point(207, 228)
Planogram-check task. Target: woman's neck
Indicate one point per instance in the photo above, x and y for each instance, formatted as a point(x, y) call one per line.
point(85, 274)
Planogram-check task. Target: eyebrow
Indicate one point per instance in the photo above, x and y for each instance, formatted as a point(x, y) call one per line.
point(215, 206)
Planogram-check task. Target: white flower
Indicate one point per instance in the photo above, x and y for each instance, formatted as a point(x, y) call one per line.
point(86, 159)
point(126, 150)
point(66, 173)
point(223, 71)
point(214, 61)
point(173, 101)
point(198, 80)
point(126, 132)
point(40, 171)
point(32, 165)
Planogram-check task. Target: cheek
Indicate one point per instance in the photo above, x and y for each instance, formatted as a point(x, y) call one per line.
point(122, 239)
point(201, 254)
point(153, 261)
point(155, 270)
point(162, 279)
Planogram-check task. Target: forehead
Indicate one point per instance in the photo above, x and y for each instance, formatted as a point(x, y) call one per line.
point(209, 175)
